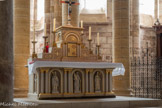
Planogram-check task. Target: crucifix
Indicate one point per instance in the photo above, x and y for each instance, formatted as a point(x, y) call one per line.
point(70, 3)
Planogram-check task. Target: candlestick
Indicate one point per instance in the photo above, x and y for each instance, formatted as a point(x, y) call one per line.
point(90, 51)
point(34, 55)
point(98, 51)
point(45, 31)
point(81, 24)
point(54, 40)
point(98, 39)
point(54, 24)
point(89, 33)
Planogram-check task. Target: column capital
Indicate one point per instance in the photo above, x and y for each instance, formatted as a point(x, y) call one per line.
point(109, 71)
point(89, 70)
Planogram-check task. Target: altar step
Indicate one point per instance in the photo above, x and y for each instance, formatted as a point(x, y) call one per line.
point(20, 92)
point(118, 102)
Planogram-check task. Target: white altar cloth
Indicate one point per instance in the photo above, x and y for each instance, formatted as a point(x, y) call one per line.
point(118, 67)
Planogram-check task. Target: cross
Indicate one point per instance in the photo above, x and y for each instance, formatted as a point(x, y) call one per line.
point(70, 3)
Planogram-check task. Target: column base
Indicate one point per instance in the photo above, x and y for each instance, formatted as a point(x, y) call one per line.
point(126, 92)
point(20, 92)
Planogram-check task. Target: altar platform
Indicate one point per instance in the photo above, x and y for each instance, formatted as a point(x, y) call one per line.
point(118, 102)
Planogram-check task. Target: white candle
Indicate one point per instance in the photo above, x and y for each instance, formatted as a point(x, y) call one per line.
point(89, 33)
point(98, 39)
point(45, 32)
point(81, 24)
point(54, 24)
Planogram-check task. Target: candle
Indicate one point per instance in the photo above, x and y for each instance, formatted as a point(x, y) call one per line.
point(81, 24)
point(98, 39)
point(45, 32)
point(54, 24)
point(89, 33)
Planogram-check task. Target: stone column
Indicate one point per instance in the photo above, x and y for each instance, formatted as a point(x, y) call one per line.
point(156, 10)
point(121, 45)
point(21, 46)
point(134, 25)
point(57, 10)
point(42, 81)
point(107, 81)
point(74, 15)
point(65, 81)
point(6, 51)
point(47, 17)
point(160, 10)
point(109, 10)
point(87, 81)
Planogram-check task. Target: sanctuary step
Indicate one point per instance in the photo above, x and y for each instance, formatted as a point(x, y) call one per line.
point(118, 102)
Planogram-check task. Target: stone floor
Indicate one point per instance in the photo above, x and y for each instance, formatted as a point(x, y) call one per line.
point(118, 102)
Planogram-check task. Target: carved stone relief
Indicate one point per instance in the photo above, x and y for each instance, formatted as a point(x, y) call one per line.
point(77, 82)
point(55, 85)
point(97, 82)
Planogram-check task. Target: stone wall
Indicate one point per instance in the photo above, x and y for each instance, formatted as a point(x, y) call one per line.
point(105, 30)
point(147, 34)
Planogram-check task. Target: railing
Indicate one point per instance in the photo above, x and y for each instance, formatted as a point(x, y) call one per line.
point(146, 76)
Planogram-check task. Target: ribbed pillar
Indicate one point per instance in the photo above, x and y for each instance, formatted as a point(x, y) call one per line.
point(74, 15)
point(134, 24)
point(121, 45)
point(21, 45)
point(6, 51)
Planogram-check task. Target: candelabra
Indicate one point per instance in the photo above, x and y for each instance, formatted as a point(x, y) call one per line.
point(54, 41)
point(34, 55)
point(90, 51)
point(45, 41)
point(98, 51)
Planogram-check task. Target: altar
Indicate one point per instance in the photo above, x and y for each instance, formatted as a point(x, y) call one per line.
point(52, 79)
point(67, 68)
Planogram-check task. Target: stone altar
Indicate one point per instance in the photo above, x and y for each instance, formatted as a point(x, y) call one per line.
point(70, 69)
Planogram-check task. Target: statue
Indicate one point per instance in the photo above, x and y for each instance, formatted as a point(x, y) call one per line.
point(35, 83)
point(55, 83)
point(77, 83)
point(97, 83)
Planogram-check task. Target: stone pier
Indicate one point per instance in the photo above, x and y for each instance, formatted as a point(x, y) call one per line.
point(134, 28)
point(6, 51)
point(121, 45)
point(21, 46)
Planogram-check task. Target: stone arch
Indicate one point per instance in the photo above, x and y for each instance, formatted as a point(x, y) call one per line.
point(81, 74)
point(59, 73)
point(75, 36)
point(102, 79)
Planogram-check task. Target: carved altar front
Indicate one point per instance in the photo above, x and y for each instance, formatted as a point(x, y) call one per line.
point(71, 79)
